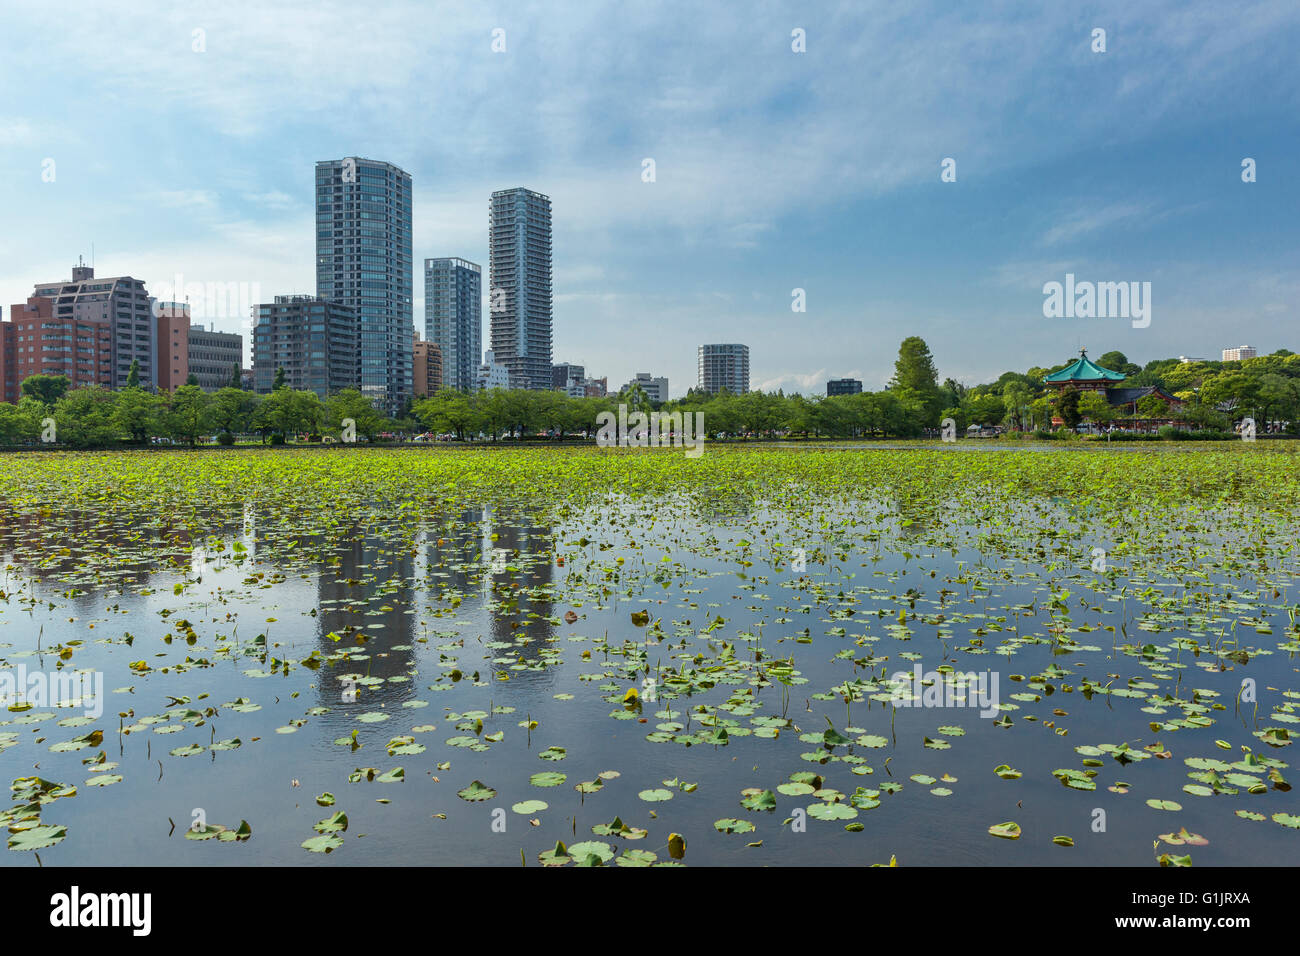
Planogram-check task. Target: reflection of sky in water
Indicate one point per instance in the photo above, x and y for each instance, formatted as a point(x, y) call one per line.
point(396, 589)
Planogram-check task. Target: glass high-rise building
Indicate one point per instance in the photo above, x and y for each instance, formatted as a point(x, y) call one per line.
point(363, 261)
point(519, 297)
point(453, 317)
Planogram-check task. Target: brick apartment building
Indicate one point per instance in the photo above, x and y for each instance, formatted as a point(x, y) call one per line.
point(427, 367)
point(36, 341)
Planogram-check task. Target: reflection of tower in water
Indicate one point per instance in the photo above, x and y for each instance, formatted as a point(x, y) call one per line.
point(452, 556)
point(520, 601)
point(366, 597)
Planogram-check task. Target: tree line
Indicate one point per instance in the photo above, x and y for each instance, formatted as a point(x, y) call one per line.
point(912, 404)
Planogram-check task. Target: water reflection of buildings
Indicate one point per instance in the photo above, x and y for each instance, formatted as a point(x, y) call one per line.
point(380, 582)
point(520, 601)
point(723, 508)
point(453, 555)
point(374, 578)
point(496, 568)
point(96, 551)
point(365, 596)
point(913, 518)
point(471, 559)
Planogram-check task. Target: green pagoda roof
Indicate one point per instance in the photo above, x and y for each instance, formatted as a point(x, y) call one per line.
point(1084, 370)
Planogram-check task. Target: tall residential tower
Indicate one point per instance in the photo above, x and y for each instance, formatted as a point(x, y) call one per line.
point(723, 366)
point(519, 299)
point(453, 317)
point(363, 261)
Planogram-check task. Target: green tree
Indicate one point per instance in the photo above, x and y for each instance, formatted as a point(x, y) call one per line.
point(584, 412)
point(1153, 406)
point(350, 403)
point(899, 413)
point(953, 392)
point(133, 376)
point(958, 414)
point(233, 409)
point(21, 423)
point(1016, 398)
point(635, 397)
point(86, 418)
point(308, 411)
point(236, 377)
point(1279, 397)
point(915, 371)
point(453, 412)
point(189, 414)
point(1040, 412)
point(809, 417)
point(552, 411)
point(496, 410)
point(1115, 361)
point(279, 378)
point(1231, 388)
point(136, 413)
point(1067, 407)
point(1206, 416)
point(986, 409)
point(286, 412)
point(46, 389)
point(721, 416)
point(1094, 407)
point(521, 410)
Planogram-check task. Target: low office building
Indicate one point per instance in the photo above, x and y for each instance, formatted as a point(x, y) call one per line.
point(656, 389)
point(843, 386)
point(215, 358)
point(566, 375)
point(491, 374)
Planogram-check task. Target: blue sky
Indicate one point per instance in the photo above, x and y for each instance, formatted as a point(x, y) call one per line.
point(775, 170)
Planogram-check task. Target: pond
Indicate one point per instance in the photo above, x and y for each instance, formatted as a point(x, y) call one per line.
point(572, 656)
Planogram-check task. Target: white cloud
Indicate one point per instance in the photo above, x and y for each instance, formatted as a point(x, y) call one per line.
point(16, 131)
point(1088, 220)
point(810, 384)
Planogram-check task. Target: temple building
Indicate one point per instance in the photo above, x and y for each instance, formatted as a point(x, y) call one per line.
point(1084, 375)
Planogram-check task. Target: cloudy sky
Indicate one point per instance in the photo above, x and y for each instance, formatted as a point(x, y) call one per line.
point(180, 138)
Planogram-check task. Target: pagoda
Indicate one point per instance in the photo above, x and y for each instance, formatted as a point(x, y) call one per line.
point(1085, 375)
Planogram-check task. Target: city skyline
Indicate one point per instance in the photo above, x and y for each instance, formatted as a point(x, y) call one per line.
point(1117, 166)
